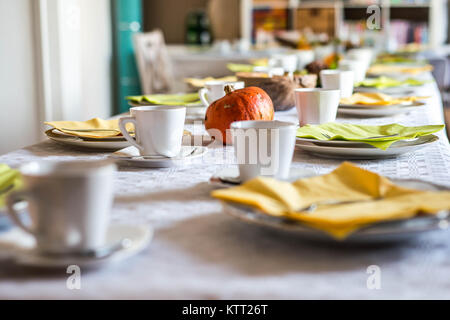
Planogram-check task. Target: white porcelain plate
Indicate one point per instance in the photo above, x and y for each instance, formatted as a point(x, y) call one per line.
point(228, 177)
point(405, 90)
point(380, 232)
point(349, 149)
point(130, 157)
point(378, 111)
point(137, 238)
point(94, 144)
point(193, 112)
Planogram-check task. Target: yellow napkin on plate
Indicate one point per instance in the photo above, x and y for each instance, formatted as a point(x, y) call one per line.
point(378, 98)
point(378, 198)
point(8, 177)
point(200, 83)
point(361, 133)
point(412, 70)
point(70, 128)
point(186, 99)
point(93, 124)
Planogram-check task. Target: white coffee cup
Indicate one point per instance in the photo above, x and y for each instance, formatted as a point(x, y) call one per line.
point(69, 204)
point(159, 129)
point(358, 67)
point(316, 106)
point(263, 148)
point(304, 58)
point(362, 54)
point(338, 79)
point(286, 61)
point(215, 90)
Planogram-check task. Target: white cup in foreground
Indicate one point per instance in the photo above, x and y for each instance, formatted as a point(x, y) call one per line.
point(69, 204)
point(263, 148)
point(358, 67)
point(316, 106)
point(159, 129)
point(338, 79)
point(215, 90)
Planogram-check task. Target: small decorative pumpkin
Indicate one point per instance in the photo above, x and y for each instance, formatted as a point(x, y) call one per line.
point(251, 103)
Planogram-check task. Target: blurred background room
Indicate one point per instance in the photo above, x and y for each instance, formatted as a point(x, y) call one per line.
point(79, 59)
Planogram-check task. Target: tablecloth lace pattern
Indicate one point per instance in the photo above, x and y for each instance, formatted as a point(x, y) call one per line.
point(199, 252)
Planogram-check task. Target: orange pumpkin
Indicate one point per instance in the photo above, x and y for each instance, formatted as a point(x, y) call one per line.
point(250, 103)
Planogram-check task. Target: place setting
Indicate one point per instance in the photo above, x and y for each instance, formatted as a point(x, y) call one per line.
point(60, 215)
point(158, 142)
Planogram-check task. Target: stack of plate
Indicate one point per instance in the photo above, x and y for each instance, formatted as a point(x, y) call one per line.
point(361, 110)
point(341, 149)
point(107, 144)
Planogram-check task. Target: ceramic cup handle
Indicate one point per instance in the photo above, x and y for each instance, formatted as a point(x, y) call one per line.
point(203, 96)
point(14, 198)
point(123, 129)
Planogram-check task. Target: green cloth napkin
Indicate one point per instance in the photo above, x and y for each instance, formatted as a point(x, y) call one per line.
point(354, 132)
point(8, 177)
point(384, 82)
point(237, 67)
point(188, 99)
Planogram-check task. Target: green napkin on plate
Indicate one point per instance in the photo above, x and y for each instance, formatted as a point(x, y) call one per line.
point(384, 82)
point(187, 99)
point(8, 177)
point(238, 67)
point(354, 132)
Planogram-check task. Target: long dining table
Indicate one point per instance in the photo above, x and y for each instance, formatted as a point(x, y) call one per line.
point(199, 252)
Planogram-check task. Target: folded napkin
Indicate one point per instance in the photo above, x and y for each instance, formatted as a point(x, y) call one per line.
point(238, 67)
point(199, 83)
point(186, 99)
point(378, 98)
point(378, 199)
point(354, 132)
point(386, 82)
point(8, 177)
point(93, 124)
point(103, 127)
point(392, 59)
point(383, 69)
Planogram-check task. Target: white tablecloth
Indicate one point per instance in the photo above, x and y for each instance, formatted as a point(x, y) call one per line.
point(199, 252)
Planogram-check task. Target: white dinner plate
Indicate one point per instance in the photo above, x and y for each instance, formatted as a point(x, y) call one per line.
point(380, 106)
point(380, 232)
point(137, 238)
point(228, 177)
point(404, 90)
point(378, 112)
point(364, 151)
point(131, 157)
point(95, 144)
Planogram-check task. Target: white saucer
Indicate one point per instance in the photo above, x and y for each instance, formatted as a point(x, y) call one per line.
point(137, 238)
point(381, 232)
point(228, 177)
point(131, 157)
point(99, 144)
point(364, 151)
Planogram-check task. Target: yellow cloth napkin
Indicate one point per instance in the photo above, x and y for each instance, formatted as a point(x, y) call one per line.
point(70, 127)
point(386, 69)
point(184, 99)
point(8, 177)
point(378, 98)
point(200, 83)
point(378, 199)
point(93, 124)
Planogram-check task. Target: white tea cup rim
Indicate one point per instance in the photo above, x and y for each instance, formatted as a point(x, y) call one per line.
point(66, 168)
point(300, 90)
point(219, 82)
point(158, 108)
point(262, 124)
point(335, 71)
